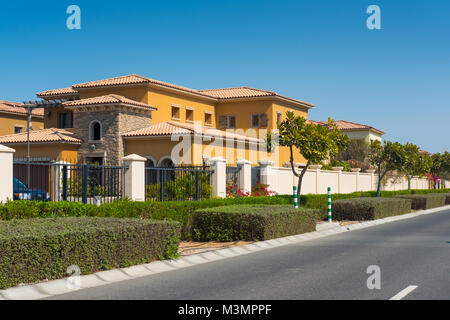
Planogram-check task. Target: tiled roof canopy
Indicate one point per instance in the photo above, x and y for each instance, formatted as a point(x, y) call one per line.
point(130, 80)
point(108, 99)
point(14, 107)
point(349, 126)
point(170, 127)
point(135, 79)
point(43, 135)
point(56, 92)
point(246, 92)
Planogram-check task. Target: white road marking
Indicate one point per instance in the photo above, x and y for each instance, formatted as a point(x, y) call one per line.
point(404, 293)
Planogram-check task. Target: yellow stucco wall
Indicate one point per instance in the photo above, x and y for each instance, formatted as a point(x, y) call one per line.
point(8, 121)
point(164, 100)
point(138, 93)
point(159, 148)
point(58, 152)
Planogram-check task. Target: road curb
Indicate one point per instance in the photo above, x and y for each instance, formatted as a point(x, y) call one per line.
point(61, 286)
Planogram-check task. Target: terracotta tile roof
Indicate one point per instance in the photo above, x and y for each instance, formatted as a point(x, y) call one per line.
point(130, 80)
point(56, 92)
point(108, 99)
point(171, 127)
point(348, 125)
point(15, 107)
point(44, 135)
point(135, 79)
point(246, 92)
point(238, 92)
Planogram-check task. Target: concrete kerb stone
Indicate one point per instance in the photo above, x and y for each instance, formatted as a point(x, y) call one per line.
point(55, 287)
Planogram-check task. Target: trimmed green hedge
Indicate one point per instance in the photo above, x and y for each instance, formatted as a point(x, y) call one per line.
point(369, 208)
point(425, 201)
point(252, 222)
point(32, 250)
point(181, 211)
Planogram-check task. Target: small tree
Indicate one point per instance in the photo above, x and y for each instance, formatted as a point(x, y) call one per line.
point(387, 157)
point(315, 143)
point(440, 166)
point(416, 163)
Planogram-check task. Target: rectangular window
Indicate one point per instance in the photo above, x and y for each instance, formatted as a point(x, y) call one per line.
point(255, 120)
point(175, 113)
point(17, 129)
point(189, 115)
point(232, 122)
point(208, 119)
point(65, 121)
point(227, 122)
point(259, 120)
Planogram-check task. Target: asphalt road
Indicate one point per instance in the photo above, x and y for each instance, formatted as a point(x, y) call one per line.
point(411, 252)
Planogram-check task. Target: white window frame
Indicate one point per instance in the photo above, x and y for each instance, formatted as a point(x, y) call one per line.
point(204, 118)
point(179, 112)
point(193, 116)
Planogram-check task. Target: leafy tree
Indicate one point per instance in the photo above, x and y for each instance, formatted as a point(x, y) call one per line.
point(416, 163)
point(440, 166)
point(315, 143)
point(356, 150)
point(386, 158)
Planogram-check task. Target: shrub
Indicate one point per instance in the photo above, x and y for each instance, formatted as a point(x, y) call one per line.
point(426, 201)
point(447, 198)
point(252, 222)
point(369, 208)
point(36, 249)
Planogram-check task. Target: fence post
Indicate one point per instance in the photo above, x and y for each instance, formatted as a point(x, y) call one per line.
point(219, 177)
point(197, 185)
point(245, 175)
point(64, 183)
point(84, 181)
point(135, 177)
point(266, 173)
point(6, 172)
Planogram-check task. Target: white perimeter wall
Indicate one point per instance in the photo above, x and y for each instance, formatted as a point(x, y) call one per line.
point(317, 181)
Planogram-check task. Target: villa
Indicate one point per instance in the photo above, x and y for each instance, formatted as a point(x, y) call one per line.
point(103, 121)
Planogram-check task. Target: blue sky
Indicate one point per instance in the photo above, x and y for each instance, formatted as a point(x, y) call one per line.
point(396, 79)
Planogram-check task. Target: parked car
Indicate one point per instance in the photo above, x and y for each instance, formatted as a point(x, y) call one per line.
point(22, 192)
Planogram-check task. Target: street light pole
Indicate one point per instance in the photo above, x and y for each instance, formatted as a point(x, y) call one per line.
point(29, 115)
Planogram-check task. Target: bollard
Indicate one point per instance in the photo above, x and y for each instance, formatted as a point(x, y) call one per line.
point(329, 204)
point(295, 198)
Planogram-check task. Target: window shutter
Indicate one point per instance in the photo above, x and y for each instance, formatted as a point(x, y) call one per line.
point(232, 123)
point(223, 122)
point(263, 120)
point(255, 120)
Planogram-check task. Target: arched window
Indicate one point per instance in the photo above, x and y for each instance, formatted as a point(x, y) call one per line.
point(166, 162)
point(95, 131)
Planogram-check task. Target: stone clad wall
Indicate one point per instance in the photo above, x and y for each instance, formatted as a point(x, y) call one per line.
point(114, 123)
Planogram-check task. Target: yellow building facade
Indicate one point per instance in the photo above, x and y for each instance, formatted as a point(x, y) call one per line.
point(229, 123)
point(13, 118)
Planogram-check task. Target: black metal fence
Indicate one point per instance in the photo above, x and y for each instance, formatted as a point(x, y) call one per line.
point(233, 175)
point(178, 183)
point(56, 181)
